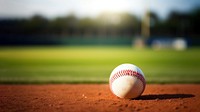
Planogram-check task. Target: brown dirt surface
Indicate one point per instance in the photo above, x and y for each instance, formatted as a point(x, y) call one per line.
point(98, 98)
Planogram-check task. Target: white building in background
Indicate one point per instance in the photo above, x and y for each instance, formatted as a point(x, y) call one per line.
point(179, 44)
point(168, 43)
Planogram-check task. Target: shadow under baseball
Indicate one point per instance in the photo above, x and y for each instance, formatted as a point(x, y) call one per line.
point(164, 96)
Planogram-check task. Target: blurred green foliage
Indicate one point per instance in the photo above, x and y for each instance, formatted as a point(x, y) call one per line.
point(106, 24)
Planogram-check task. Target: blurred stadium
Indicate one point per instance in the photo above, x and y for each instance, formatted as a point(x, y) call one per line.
point(83, 40)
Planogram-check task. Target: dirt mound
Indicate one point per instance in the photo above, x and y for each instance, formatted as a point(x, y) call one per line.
point(97, 98)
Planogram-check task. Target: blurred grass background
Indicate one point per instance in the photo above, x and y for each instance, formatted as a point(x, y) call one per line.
point(76, 43)
point(93, 64)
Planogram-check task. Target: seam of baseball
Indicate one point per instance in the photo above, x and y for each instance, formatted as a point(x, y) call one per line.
point(127, 72)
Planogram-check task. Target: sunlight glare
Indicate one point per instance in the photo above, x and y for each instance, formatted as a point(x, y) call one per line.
point(98, 6)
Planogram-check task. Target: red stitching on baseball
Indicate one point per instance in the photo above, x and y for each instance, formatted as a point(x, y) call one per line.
point(127, 73)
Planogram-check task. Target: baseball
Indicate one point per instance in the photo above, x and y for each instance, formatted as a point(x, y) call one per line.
point(127, 81)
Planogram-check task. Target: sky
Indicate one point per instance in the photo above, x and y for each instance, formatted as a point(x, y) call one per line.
point(91, 8)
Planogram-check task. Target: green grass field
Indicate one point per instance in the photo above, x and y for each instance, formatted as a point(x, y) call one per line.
point(93, 64)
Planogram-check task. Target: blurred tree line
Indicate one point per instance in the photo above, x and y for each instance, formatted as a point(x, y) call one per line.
point(106, 25)
point(178, 24)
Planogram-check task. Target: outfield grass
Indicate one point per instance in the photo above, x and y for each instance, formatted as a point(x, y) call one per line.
point(93, 64)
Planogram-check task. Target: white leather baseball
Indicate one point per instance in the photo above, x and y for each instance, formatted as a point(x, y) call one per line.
point(127, 81)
